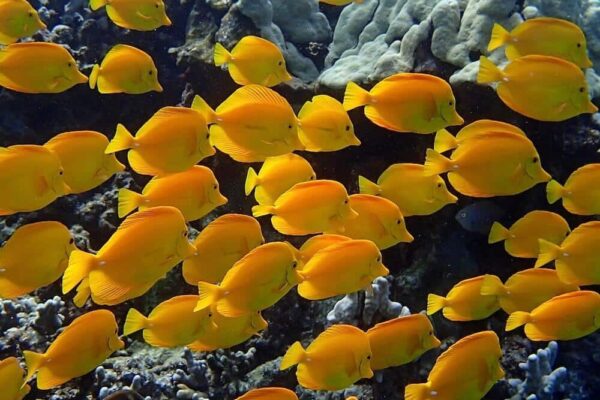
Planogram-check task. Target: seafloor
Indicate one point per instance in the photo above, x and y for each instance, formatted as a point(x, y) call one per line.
point(442, 253)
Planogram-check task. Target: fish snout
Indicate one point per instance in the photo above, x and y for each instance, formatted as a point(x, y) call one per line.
point(544, 176)
point(435, 342)
point(380, 270)
point(158, 87)
point(189, 251)
point(591, 108)
point(65, 189)
point(167, 21)
point(222, 200)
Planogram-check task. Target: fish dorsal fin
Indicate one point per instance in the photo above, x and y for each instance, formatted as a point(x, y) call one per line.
point(460, 346)
point(192, 299)
point(488, 125)
point(154, 212)
point(586, 169)
point(252, 40)
point(334, 331)
point(31, 229)
point(547, 60)
point(86, 319)
point(588, 228)
point(574, 295)
point(172, 112)
point(32, 45)
point(256, 94)
point(397, 321)
point(411, 76)
point(119, 48)
point(233, 218)
point(394, 168)
point(305, 186)
point(257, 252)
point(323, 100)
point(66, 136)
point(554, 22)
point(269, 393)
point(469, 281)
point(26, 148)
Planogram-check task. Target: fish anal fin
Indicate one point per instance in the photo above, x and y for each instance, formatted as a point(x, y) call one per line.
point(140, 165)
point(105, 290)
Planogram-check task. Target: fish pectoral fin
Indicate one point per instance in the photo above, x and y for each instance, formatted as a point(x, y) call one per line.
point(369, 289)
point(561, 107)
point(42, 186)
point(139, 14)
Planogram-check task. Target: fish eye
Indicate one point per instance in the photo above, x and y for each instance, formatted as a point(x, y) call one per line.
point(313, 177)
point(280, 63)
point(581, 89)
point(185, 233)
point(439, 184)
point(290, 126)
point(431, 333)
point(398, 222)
point(535, 160)
point(215, 186)
point(157, 5)
point(579, 45)
point(150, 73)
point(368, 357)
point(71, 241)
point(31, 15)
point(294, 264)
point(70, 64)
point(210, 314)
point(379, 258)
point(347, 128)
point(346, 201)
point(61, 172)
point(451, 103)
point(208, 135)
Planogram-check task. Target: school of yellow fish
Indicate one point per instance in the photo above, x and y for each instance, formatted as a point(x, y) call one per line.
point(237, 273)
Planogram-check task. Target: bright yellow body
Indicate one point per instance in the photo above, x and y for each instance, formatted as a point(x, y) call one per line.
point(444, 140)
point(413, 191)
point(379, 220)
point(309, 207)
point(464, 302)
point(581, 193)
point(82, 157)
point(341, 268)
point(18, 19)
point(466, 371)
point(253, 60)
point(496, 164)
point(33, 257)
point(401, 340)
point(139, 15)
point(39, 180)
point(336, 359)
point(276, 176)
point(172, 323)
point(325, 125)
point(407, 102)
point(38, 67)
point(79, 349)
point(194, 192)
point(269, 393)
point(254, 283)
point(12, 382)
point(540, 87)
point(126, 69)
point(569, 316)
point(317, 243)
point(228, 332)
point(521, 239)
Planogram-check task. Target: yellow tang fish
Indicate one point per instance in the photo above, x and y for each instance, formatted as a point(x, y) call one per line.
point(253, 60)
point(495, 164)
point(464, 302)
point(18, 19)
point(82, 157)
point(444, 140)
point(379, 220)
point(336, 359)
point(543, 36)
point(252, 124)
point(125, 69)
point(77, 350)
point(401, 340)
point(407, 102)
point(38, 183)
point(317, 243)
point(195, 192)
point(540, 87)
point(172, 323)
point(219, 245)
point(255, 282)
point(309, 207)
point(34, 256)
point(526, 289)
point(14, 387)
point(276, 176)
point(341, 3)
point(581, 193)
point(341, 268)
point(466, 371)
point(324, 125)
point(577, 257)
point(138, 15)
point(269, 393)
point(172, 140)
point(228, 332)
point(566, 317)
point(146, 246)
point(20, 68)
point(413, 191)
point(521, 239)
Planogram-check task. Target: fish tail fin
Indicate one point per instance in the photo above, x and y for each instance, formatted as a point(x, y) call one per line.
point(554, 191)
point(294, 355)
point(83, 293)
point(436, 164)
point(221, 55)
point(444, 141)
point(208, 294)
point(488, 71)
point(517, 319)
point(417, 391)
point(500, 37)
point(355, 96)
point(34, 362)
point(80, 265)
point(548, 252)
point(262, 210)
point(368, 187)
point(492, 286)
point(94, 76)
point(123, 140)
point(128, 200)
point(498, 233)
point(96, 4)
point(435, 303)
point(200, 105)
point(135, 321)
point(251, 181)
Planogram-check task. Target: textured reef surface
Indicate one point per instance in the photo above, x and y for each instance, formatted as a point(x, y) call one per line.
point(324, 47)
